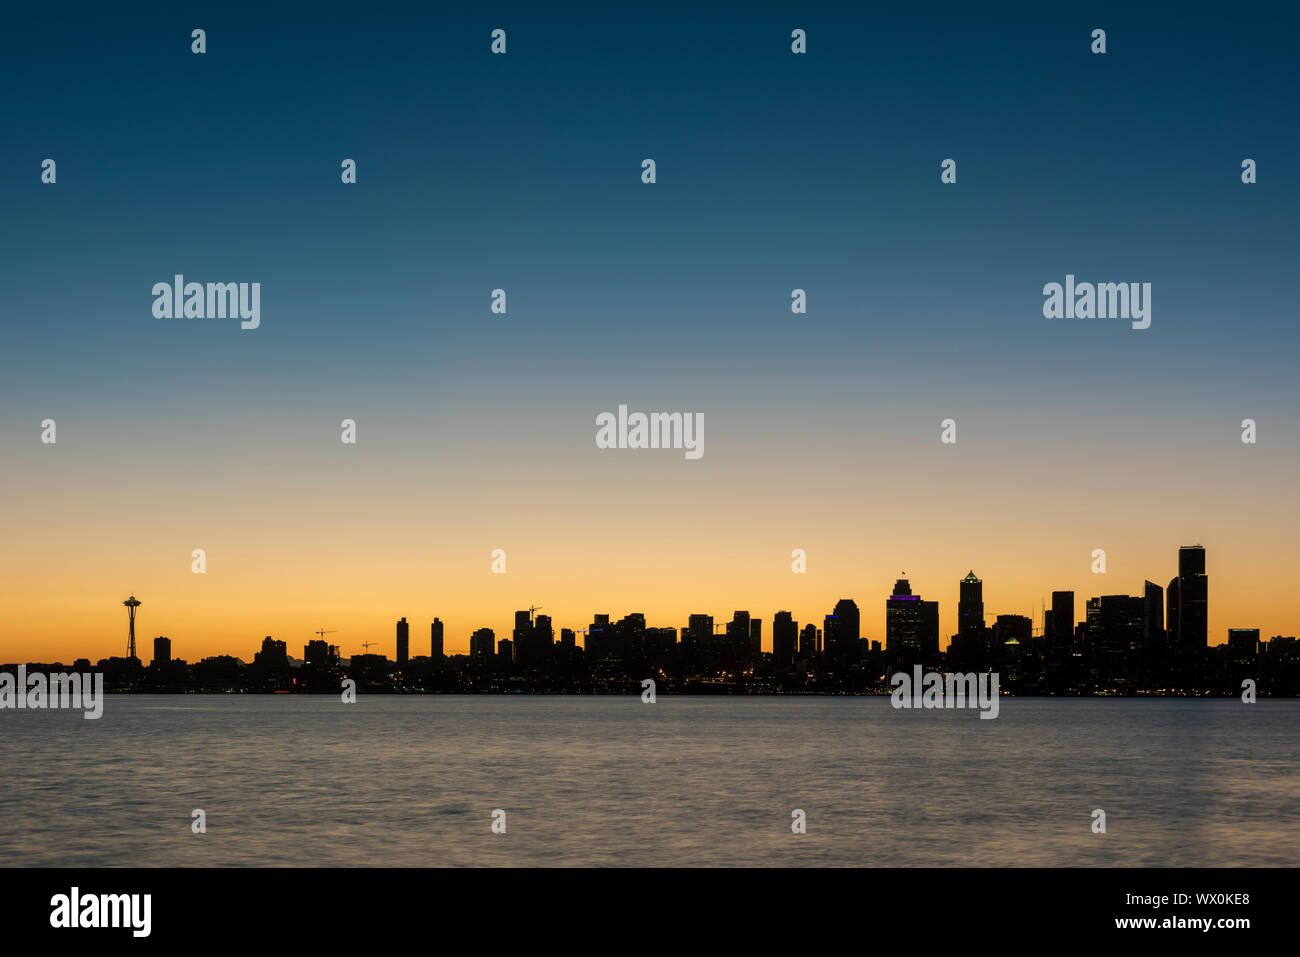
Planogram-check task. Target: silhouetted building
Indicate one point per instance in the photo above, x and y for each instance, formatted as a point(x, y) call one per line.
point(482, 644)
point(162, 651)
point(317, 652)
point(1193, 600)
point(911, 627)
point(843, 629)
point(1153, 615)
point(273, 656)
point(1115, 624)
point(403, 642)
point(1061, 636)
point(435, 639)
point(808, 643)
point(785, 632)
point(970, 607)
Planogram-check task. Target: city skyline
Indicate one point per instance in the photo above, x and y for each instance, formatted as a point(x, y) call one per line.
point(395, 637)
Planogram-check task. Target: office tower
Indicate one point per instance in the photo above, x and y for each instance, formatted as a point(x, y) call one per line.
point(568, 640)
point(970, 607)
point(697, 642)
point(482, 644)
point(435, 639)
point(543, 638)
point(808, 643)
point(505, 651)
point(736, 652)
point(660, 646)
point(631, 638)
point(1193, 595)
point(785, 632)
point(1153, 616)
point(843, 629)
point(1173, 633)
point(597, 637)
point(755, 642)
point(162, 651)
point(911, 626)
point(522, 636)
point(316, 652)
point(1115, 629)
point(403, 642)
point(1062, 635)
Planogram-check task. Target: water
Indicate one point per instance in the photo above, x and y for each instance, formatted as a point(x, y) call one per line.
point(685, 781)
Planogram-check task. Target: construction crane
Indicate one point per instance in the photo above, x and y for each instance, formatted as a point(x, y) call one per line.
point(366, 645)
point(323, 632)
point(531, 609)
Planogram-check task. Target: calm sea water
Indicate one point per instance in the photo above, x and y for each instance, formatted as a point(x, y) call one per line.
point(686, 781)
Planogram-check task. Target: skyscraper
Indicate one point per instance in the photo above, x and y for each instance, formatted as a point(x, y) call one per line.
point(970, 607)
point(1153, 616)
point(435, 639)
point(785, 632)
point(482, 645)
point(843, 629)
point(162, 651)
point(403, 642)
point(1062, 635)
point(911, 626)
point(808, 643)
point(1193, 599)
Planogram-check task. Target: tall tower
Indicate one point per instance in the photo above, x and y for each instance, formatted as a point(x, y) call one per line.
point(132, 604)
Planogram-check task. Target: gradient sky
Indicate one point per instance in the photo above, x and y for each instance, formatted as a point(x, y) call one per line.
point(476, 431)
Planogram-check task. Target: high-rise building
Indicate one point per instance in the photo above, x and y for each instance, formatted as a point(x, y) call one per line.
point(785, 632)
point(808, 643)
point(482, 644)
point(911, 627)
point(1061, 637)
point(162, 651)
point(736, 652)
point(543, 638)
point(843, 629)
point(1115, 630)
point(1173, 633)
point(435, 639)
point(970, 607)
point(1153, 615)
point(1193, 600)
point(403, 642)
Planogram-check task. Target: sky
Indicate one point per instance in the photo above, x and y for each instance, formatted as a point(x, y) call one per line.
point(475, 431)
